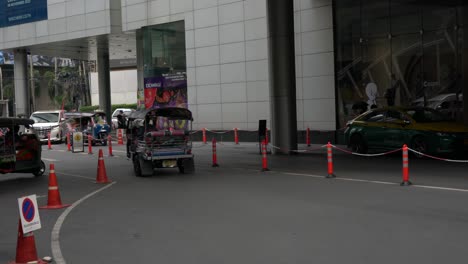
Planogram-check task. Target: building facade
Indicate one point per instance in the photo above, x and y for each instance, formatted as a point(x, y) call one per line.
point(412, 51)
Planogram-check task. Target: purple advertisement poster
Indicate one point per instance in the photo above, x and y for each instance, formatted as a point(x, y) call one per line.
point(169, 90)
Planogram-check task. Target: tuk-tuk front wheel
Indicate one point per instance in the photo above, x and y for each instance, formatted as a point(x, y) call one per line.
point(40, 171)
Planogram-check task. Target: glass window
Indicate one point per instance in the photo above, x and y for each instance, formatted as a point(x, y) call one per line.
point(410, 51)
point(393, 116)
point(165, 78)
point(426, 115)
point(375, 116)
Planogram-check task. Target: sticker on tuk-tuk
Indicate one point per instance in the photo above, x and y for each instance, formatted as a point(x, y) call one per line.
point(78, 143)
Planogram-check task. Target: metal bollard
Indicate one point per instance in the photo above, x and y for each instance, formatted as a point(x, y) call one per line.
point(308, 137)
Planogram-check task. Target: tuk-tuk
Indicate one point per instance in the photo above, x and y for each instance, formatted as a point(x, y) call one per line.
point(93, 124)
point(159, 138)
point(20, 148)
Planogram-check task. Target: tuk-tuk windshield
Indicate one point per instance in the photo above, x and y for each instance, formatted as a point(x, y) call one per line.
point(45, 117)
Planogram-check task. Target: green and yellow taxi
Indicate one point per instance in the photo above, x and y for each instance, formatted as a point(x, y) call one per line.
point(422, 129)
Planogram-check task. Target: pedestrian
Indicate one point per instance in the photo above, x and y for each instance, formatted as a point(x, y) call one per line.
point(120, 119)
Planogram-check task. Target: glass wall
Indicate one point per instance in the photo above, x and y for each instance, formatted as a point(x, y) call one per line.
point(399, 53)
point(165, 78)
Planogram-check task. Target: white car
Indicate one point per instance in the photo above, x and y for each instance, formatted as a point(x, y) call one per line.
point(46, 122)
point(126, 111)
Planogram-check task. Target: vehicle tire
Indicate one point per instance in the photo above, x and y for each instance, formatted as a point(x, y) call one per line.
point(187, 166)
point(419, 144)
point(136, 166)
point(40, 171)
point(358, 144)
point(141, 167)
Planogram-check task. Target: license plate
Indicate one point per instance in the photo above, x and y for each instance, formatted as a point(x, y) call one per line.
point(169, 163)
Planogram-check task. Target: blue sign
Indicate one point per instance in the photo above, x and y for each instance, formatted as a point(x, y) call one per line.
point(15, 12)
point(28, 210)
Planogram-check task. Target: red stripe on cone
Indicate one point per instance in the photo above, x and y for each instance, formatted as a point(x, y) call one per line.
point(53, 197)
point(101, 170)
point(26, 248)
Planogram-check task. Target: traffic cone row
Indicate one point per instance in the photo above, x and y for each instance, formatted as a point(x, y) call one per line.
point(26, 246)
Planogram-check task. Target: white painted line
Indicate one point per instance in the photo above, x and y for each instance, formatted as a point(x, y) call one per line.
point(50, 160)
point(441, 188)
point(74, 175)
point(378, 182)
point(55, 238)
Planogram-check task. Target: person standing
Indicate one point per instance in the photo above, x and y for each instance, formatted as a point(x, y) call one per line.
point(393, 93)
point(120, 119)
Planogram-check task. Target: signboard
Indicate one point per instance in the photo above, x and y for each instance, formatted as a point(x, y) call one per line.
point(16, 12)
point(78, 142)
point(29, 213)
point(168, 90)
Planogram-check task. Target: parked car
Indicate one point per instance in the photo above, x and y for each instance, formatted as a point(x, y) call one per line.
point(126, 112)
point(448, 104)
point(46, 122)
point(422, 129)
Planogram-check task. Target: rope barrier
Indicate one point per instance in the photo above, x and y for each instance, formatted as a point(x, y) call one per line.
point(437, 158)
point(366, 155)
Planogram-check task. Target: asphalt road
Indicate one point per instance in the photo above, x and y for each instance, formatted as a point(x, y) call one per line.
point(237, 214)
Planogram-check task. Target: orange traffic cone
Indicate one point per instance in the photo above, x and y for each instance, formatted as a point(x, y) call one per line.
point(26, 248)
point(101, 170)
point(53, 199)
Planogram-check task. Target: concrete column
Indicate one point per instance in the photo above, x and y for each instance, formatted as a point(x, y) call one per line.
point(140, 69)
point(22, 94)
point(282, 74)
point(104, 78)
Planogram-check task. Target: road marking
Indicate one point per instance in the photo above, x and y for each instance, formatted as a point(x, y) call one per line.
point(55, 238)
point(378, 182)
point(50, 160)
point(57, 150)
point(74, 175)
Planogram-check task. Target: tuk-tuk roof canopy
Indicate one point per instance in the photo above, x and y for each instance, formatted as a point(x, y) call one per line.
point(7, 121)
point(170, 112)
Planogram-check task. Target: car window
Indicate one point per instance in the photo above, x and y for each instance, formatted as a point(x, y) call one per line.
point(375, 116)
point(393, 117)
point(426, 115)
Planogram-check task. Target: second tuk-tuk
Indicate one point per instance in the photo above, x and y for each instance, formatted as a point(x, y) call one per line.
point(160, 138)
point(93, 124)
point(20, 148)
